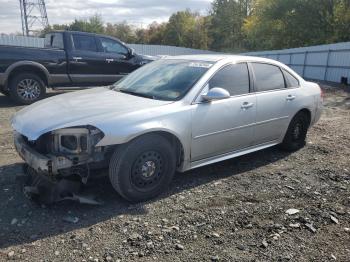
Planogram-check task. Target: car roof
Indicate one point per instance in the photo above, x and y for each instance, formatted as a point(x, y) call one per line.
point(218, 57)
point(85, 33)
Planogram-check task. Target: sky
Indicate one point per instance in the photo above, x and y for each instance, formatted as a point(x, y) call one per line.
point(137, 12)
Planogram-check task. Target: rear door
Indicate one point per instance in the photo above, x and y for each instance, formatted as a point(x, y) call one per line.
point(86, 64)
point(276, 102)
point(223, 126)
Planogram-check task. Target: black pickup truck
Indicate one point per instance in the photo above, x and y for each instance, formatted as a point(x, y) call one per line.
point(69, 59)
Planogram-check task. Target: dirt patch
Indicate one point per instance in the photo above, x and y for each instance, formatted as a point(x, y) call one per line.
point(231, 211)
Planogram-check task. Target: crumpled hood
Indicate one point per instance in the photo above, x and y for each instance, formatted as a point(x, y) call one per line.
point(77, 108)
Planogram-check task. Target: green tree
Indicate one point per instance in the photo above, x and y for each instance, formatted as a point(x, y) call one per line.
point(123, 31)
point(341, 21)
point(54, 27)
point(200, 35)
point(92, 25)
point(276, 24)
point(179, 28)
point(227, 18)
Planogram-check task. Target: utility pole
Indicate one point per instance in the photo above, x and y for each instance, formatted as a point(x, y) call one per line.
point(33, 15)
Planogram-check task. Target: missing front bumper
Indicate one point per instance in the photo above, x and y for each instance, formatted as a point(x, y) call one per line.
point(40, 163)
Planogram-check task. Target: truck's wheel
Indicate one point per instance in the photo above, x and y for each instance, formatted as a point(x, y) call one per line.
point(27, 88)
point(295, 137)
point(143, 168)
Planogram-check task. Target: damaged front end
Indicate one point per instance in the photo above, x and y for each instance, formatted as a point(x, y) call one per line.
point(60, 160)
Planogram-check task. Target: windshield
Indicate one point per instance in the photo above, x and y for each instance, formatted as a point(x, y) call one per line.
point(163, 79)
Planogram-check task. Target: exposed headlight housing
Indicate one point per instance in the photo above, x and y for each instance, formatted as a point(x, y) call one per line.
point(76, 140)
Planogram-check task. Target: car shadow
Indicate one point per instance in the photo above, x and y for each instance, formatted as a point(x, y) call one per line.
point(23, 221)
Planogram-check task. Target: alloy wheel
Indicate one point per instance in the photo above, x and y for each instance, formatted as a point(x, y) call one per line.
point(28, 89)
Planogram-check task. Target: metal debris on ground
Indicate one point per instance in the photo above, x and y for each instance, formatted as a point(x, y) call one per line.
point(46, 190)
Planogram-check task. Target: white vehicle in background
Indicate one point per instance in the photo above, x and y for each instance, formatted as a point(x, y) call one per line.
point(177, 113)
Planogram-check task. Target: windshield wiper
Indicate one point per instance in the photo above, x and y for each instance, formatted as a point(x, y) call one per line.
point(135, 93)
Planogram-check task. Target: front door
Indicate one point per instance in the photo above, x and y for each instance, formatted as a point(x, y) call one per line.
point(223, 126)
point(117, 57)
point(85, 60)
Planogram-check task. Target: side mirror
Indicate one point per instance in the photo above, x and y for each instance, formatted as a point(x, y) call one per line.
point(216, 93)
point(131, 52)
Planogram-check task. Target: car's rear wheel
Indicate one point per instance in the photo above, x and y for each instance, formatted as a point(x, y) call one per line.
point(27, 88)
point(295, 137)
point(143, 168)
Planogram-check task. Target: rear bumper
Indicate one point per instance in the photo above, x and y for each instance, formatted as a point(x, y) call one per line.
point(44, 164)
point(318, 111)
point(318, 114)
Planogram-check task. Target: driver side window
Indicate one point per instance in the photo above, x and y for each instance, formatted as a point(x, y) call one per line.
point(111, 46)
point(234, 78)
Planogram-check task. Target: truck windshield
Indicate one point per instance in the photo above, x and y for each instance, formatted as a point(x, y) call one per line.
point(165, 79)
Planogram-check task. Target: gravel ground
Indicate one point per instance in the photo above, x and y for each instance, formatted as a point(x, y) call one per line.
point(230, 211)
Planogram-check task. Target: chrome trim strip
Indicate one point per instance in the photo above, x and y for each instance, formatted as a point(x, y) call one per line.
point(240, 127)
point(271, 120)
point(223, 131)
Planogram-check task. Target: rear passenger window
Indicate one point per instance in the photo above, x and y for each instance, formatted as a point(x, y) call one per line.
point(268, 77)
point(291, 80)
point(233, 78)
point(54, 40)
point(85, 43)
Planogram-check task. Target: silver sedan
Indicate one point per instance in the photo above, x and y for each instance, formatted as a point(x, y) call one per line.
point(177, 113)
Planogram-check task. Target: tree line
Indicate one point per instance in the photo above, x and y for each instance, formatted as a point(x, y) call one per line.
point(237, 25)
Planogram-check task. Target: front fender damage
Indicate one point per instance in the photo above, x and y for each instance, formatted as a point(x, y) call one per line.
point(59, 163)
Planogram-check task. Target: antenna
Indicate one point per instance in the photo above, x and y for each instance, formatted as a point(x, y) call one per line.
point(34, 16)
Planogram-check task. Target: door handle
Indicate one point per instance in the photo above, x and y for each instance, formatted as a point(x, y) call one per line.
point(77, 58)
point(246, 105)
point(290, 97)
point(109, 60)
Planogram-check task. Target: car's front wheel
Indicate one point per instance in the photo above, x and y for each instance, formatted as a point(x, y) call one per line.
point(142, 168)
point(295, 137)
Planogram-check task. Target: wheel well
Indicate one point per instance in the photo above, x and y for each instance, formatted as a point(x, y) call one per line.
point(175, 142)
point(27, 69)
point(307, 113)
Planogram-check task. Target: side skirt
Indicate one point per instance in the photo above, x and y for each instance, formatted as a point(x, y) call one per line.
point(232, 154)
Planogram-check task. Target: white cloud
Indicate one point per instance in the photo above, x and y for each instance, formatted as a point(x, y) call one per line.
point(138, 12)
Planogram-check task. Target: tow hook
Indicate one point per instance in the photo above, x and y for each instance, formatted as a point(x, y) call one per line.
point(46, 190)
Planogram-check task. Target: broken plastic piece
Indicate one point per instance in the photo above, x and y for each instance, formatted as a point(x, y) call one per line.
point(46, 190)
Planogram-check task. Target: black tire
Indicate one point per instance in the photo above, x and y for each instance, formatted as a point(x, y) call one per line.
point(143, 168)
point(295, 137)
point(27, 88)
